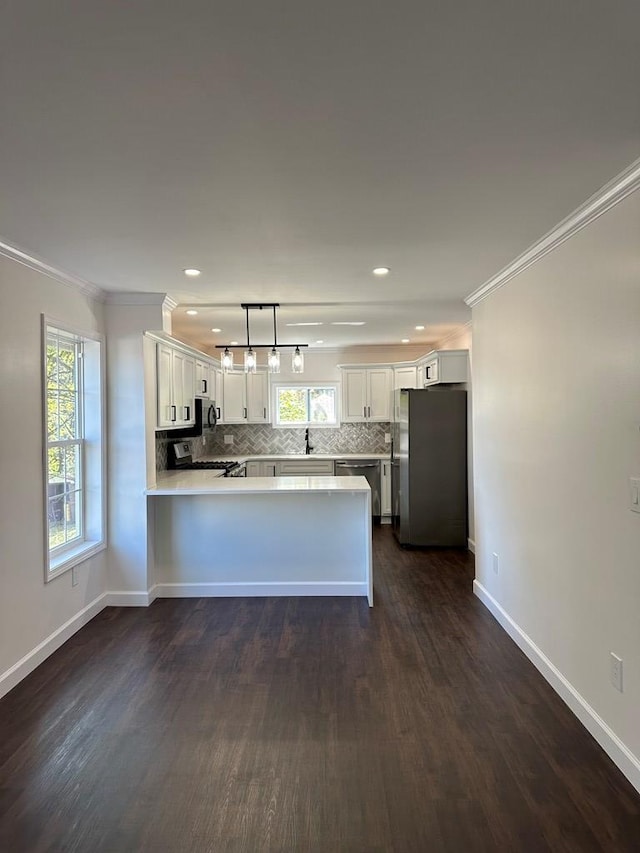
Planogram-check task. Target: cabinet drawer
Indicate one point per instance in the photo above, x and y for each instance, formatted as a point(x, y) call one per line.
point(305, 467)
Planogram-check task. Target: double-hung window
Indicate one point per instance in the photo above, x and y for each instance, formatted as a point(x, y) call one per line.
point(306, 405)
point(74, 447)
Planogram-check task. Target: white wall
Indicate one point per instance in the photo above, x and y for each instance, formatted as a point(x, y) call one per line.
point(556, 387)
point(30, 610)
point(130, 384)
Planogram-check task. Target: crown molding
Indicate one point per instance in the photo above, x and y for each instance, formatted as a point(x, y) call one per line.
point(603, 200)
point(38, 265)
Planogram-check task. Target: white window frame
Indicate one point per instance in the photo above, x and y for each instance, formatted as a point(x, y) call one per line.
point(277, 386)
point(92, 442)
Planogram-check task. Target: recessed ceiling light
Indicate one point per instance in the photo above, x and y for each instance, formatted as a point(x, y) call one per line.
point(419, 328)
point(405, 340)
point(319, 342)
point(381, 271)
point(216, 330)
point(192, 311)
point(192, 272)
point(348, 323)
point(303, 324)
point(233, 343)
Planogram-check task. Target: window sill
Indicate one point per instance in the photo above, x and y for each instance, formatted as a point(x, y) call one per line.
point(61, 563)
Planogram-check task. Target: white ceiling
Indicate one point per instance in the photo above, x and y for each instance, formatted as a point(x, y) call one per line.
point(287, 148)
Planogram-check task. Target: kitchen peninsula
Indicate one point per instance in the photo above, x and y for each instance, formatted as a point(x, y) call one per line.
point(261, 536)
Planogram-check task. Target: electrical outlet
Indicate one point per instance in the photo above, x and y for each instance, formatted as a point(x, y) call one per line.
point(387, 438)
point(228, 439)
point(495, 563)
point(74, 576)
point(616, 671)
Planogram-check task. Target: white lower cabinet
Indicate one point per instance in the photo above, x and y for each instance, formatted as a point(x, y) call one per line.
point(385, 488)
point(258, 468)
point(175, 386)
point(307, 467)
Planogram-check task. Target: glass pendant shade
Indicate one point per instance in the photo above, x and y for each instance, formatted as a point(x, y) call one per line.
point(273, 361)
point(227, 361)
point(297, 362)
point(250, 361)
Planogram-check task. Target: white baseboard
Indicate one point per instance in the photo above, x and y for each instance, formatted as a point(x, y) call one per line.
point(617, 751)
point(141, 598)
point(227, 590)
point(386, 519)
point(41, 652)
point(471, 545)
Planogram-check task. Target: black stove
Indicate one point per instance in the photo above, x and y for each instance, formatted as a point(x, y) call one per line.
point(209, 466)
point(180, 457)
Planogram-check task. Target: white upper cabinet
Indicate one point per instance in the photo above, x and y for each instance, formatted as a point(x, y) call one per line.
point(245, 398)
point(203, 380)
point(234, 397)
point(445, 366)
point(257, 398)
point(366, 394)
point(354, 395)
point(175, 386)
point(404, 377)
point(379, 393)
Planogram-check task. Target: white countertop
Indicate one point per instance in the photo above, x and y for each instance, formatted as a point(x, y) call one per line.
point(260, 457)
point(200, 482)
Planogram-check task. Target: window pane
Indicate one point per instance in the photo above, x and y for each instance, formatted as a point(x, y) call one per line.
point(62, 415)
point(56, 467)
point(322, 405)
point(55, 517)
point(64, 494)
point(72, 467)
point(292, 405)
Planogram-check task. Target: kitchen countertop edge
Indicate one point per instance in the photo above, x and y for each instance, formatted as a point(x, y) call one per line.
point(202, 483)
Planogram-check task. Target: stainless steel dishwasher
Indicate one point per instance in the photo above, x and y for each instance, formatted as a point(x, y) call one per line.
point(369, 468)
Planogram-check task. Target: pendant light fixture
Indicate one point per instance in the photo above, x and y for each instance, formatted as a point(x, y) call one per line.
point(227, 360)
point(250, 361)
point(297, 361)
point(273, 358)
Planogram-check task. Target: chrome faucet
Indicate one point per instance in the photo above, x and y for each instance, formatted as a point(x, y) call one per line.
point(307, 447)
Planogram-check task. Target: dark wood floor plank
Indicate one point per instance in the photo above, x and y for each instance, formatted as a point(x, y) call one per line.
point(310, 724)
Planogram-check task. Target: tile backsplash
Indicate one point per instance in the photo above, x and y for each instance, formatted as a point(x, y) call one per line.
point(263, 439)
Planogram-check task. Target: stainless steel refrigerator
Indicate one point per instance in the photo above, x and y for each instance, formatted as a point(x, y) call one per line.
point(429, 467)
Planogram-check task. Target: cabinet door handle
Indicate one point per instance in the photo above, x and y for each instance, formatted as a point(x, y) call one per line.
point(174, 414)
point(428, 369)
point(204, 386)
point(265, 413)
point(245, 411)
point(364, 411)
point(369, 411)
point(218, 412)
point(188, 412)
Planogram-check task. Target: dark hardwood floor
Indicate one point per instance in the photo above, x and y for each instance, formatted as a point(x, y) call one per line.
point(305, 725)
